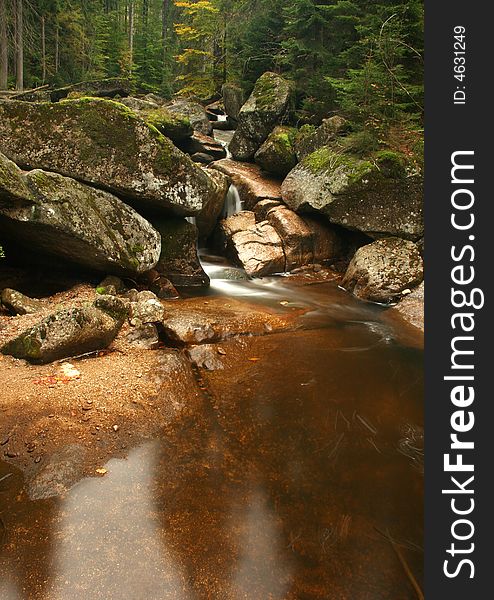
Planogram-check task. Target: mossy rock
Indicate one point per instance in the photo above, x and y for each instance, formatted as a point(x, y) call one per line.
point(65, 333)
point(277, 154)
point(13, 188)
point(104, 143)
point(175, 126)
point(378, 196)
point(66, 220)
point(268, 105)
point(309, 138)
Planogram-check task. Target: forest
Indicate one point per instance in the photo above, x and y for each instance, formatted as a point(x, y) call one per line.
point(363, 58)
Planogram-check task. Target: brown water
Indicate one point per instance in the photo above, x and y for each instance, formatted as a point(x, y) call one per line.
point(298, 478)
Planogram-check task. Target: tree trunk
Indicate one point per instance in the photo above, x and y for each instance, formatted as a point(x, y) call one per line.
point(43, 50)
point(19, 46)
point(4, 55)
point(131, 36)
point(57, 47)
point(165, 14)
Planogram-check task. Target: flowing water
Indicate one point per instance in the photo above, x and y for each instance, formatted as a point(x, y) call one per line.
point(299, 477)
point(233, 204)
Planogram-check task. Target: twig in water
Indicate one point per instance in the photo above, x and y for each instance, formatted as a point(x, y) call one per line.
point(404, 564)
point(5, 477)
point(366, 423)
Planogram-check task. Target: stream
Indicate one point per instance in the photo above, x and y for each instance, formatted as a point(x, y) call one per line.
point(300, 478)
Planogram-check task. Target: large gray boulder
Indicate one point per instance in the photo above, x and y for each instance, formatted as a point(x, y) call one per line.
point(65, 333)
point(266, 107)
point(60, 217)
point(233, 99)
point(384, 271)
point(194, 112)
point(104, 143)
point(379, 196)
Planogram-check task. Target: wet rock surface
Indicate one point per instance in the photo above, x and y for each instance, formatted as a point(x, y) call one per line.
point(384, 271)
point(197, 320)
point(251, 183)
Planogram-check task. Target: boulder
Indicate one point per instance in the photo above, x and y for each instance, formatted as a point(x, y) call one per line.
point(207, 219)
point(19, 304)
point(281, 243)
point(63, 218)
point(204, 144)
point(296, 237)
point(136, 162)
point(309, 138)
point(266, 107)
point(384, 271)
point(195, 113)
point(146, 311)
point(13, 187)
point(111, 286)
point(201, 158)
point(144, 336)
point(411, 307)
point(262, 208)
point(260, 250)
point(205, 356)
point(62, 470)
point(233, 99)
point(378, 197)
point(228, 227)
point(179, 261)
point(175, 126)
point(277, 154)
point(65, 333)
point(251, 183)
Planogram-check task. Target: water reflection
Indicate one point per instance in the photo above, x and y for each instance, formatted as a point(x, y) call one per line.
point(285, 482)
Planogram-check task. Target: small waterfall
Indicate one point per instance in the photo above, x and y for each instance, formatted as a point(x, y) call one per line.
point(232, 204)
point(222, 118)
point(191, 220)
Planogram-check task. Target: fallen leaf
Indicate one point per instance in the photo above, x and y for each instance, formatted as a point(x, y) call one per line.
point(101, 471)
point(253, 359)
point(220, 351)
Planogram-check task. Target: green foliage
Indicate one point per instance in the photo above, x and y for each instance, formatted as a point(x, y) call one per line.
point(362, 58)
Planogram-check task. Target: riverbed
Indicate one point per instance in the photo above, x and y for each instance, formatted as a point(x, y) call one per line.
point(297, 473)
